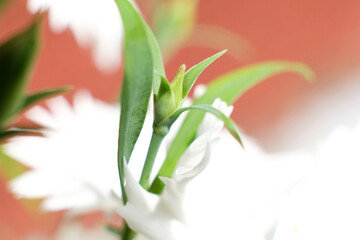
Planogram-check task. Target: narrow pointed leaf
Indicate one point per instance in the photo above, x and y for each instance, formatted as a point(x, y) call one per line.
point(177, 85)
point(218, 38)
point(193, 73)
point(137, 82)
point(39, 96)
point(114, 230)
point(157, 60)
point(165, 103)
point(230, 125)
point(2, 3)
point(164, 86)
point(227, 87)
point(16, 59)
point(18, 131)
point(230, 86)
point(9, 167)
point(173, 22)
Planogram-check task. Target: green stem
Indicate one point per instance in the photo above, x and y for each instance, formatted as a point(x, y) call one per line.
point(155, 143)
point(128, 234)
point(156, 140)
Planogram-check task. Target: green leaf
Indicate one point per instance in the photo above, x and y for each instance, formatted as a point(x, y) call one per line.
point(165, 102)
point(137, 82)
point(177, 85)
point(114, 230)
point(2, 3)
point(218, 38)
point(231, 126)
point(10, 168)
point(173, 22)
point(193, 73)
point(16, 60)
point(157, 60)
point(17, 131)
point(36, 97)
point(228, 87)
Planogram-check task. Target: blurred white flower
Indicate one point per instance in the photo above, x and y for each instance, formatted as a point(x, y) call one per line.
point(163, 217)
point(75, 231)
point(319, 112)
point(240, 194)
point(74, 166)
point(327, 206)
point(94, 22)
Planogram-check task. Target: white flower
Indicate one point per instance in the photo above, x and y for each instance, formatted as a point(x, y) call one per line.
point(327, 206)
point(72, 166)
point(94, 22)
point(162, 217)
point(241, 193)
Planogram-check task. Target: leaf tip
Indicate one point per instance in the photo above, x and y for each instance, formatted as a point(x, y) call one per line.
point(306, 72)
point(183, 67)
point(223, 51)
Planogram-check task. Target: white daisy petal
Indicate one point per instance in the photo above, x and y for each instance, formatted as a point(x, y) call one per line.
point(41, 116)
point(35, 178)
point(93, 22)
point(80, 148)
point(137, 195)
point(79, 199)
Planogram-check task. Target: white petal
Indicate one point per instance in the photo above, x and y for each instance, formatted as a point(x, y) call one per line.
point(84, 139)
point(81, 199)
point(62, 108)
point(72, 230)
point(41, 116)
point(93, 22)
point(137, 195)
point(83, 102)
point(145, 223)
point(171, 199)
point(331, 190)
point(37, 5)
point(39, 184)
point(210, 121)
point(199, 90)
point(31, 151)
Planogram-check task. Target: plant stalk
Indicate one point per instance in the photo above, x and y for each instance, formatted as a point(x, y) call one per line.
point(155, 143)
point(128, 233)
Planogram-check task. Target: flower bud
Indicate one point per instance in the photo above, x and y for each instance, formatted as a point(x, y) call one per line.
point(165, 101)
point(169, 97)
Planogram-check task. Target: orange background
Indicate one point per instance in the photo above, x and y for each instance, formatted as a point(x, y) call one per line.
point(323, 34)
